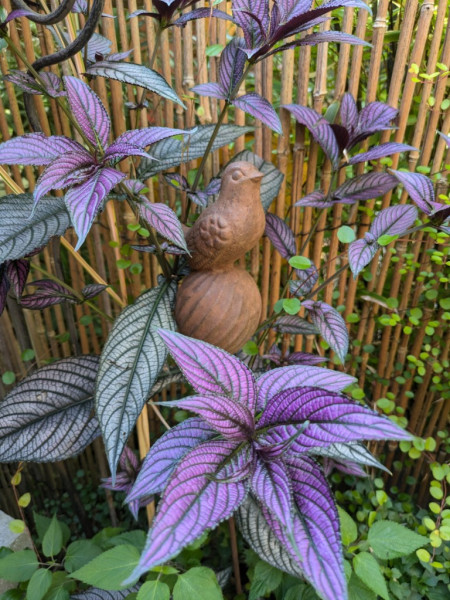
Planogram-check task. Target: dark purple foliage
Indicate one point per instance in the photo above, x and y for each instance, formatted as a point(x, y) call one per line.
point(306, 280)
point(292, 358)
point(48, 293)
point(85, 173)
point(294, 324)
point(330, 324)
point(4, 287)
point(280, 235)
point(27, 83)
point(165, 12)
point(92, 290)
point(364, 187)
point(260, 108)
point(420, 190)
point(207, 466)
point(13, 273)
point(380, 152)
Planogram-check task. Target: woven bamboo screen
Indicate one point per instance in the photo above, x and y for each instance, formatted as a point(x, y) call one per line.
point(401, 35)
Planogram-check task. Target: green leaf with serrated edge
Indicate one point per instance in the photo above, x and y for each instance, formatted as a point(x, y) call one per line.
point(108, 570)
point(265, 580)
point(18, 566)
point(39, 584)
point(349, 529)
point(173, 151)
point(130, 363)
point(391, 540)
point(368, 570)
point(21, 232)
point(154, 590)
point(42, 523)
point(53, 539)
point(198, 582)
point(358, 591)
point(135, 538)
point(79, 553)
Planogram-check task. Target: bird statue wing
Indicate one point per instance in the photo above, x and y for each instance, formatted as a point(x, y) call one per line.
point(207, 239)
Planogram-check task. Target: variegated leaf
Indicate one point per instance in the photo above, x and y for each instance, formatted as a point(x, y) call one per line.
point(35, 149)
point(260, 108)
point(280, 235)
point(331, 326)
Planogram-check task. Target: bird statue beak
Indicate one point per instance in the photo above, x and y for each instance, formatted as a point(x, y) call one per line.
point(256, 176)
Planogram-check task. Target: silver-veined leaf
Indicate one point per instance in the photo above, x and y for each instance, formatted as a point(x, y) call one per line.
point(94, 593)
point(47, 417)
point(20, 234)
point(130, 363)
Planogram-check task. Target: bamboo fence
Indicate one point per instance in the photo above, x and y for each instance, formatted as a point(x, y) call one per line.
point(400, 35)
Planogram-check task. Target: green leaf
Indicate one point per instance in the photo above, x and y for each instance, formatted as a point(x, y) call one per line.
point(346, 234)
point(299, 262)
point(214, 50)
point(358, 591)
point(79, 553)
point(43, 523)
point(250, 348)
point(135, 538)
point(39, 584)
point(368, 570)
point(154, 590)
point(349, 530)
point(198, 582)
point(16, 526)
point(8, 377)
point(53, 538)
point(108, 570)
point(61, 587)
point(386, 239)
point(18, 566)
point(291, 305)
point(266, 579)
point(391, 540)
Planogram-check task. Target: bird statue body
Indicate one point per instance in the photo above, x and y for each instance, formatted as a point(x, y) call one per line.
point(219, 302)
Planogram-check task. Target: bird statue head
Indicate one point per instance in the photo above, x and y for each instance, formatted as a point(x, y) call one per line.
point(241, 179)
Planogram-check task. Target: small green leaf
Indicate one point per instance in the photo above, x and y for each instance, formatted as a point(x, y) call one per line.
point(79, 553)
point(349, 530)
point(24, 500)
point(109, 569)
point(8, 377)
point(16, 526)
point(198, 582)
point(43, 523)
point(391, 540)
point(423, 555)
point(386, 239)
point(346, 234)
point(28, 354)
point(39, 584)
point(214, 50)
point(52, 541)
point(300, 262)
point(266, 579)
point(368, 570)
point(278, 307)
point(250, 348)
point(154, 590)
point(18, 566)
point(291, 305)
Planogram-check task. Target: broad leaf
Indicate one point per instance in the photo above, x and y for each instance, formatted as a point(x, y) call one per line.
point(280, 235)
point(186, 510)
point(39, 584)
point(197, 582)
point(93, 289)
point(94, 593)
point(379, 152)
point(225, 415)
point(201, 13)
point(391, 540)
point(271, 485)
point(172, 152)
point(274, 381)
point(231, 66)
point(261, 109)
point(369, 571)
point(48, 293)
point(272, 180)
point(316, 199)
point(360, 253)
point(146, 136)
point(164, 221)
point(331, 326)
point(130, 363)
point(88, 110)
point(348, 112)
point(134, 74)
point(394, 220)
point(154, 590)
point(319, 128)
point(17, 273)
point(165, 454)
point(253, 17)
point(420, 190)
point(374, 117)
point(306, 280)
point(349, 452)
point(109, 569)
point(79, 553)
point(85, 200)
point(35, 149)
point(18, 566)
point(365, 187)
point(47, 417)
point(209, 89)
point(211, 370)
point(294, 325)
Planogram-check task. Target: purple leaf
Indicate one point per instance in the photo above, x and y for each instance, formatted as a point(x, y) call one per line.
point(209, 89)
point(274, 381)
point(341, 134)
point(261, 109)
point(199, 198)
point(316, 199)
point(393, 220)
point(98, 45)
point(330, 36)
point(84, 201)
point(211, 370)
point(119, 151)
point(201, 13)
point(304, 358)
point(446, 138)
point(145, 137)
point(88, 110)
point(365, 187)
point(36, 149)
point(379, 152)
point(213, 186)
point(331, 418)
point(294, 324)
point(360, 253)
point(231, 66)
point(164, 221)
point(69, 169)
point(348, 112)
point(227, 416)
point(350, 468)
point(4, 287)
point(192, 503)
point(280, 235)
point(271, 485)
point(48, 293)
point(17, 272)
point(253, 17)
point(331, 326)
point(165, 454)
point(92, 290)
point(23, 81)
point(376, 116)
point(353, 452)
point(316, 529)
point(420, 190)
point(292, 8)
point(319, 128)
point(134, 186)
point(306, 280)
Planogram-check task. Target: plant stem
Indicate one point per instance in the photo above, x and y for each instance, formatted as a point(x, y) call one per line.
point(235, 555)
point(327, 281)
point(22, 514)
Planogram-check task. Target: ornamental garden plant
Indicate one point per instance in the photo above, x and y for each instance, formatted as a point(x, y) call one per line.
point(261, 433)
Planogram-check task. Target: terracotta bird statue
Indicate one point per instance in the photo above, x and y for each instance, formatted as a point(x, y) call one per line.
point(219, 302)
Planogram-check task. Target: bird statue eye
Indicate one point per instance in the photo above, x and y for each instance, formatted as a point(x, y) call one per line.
point(236, 175)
